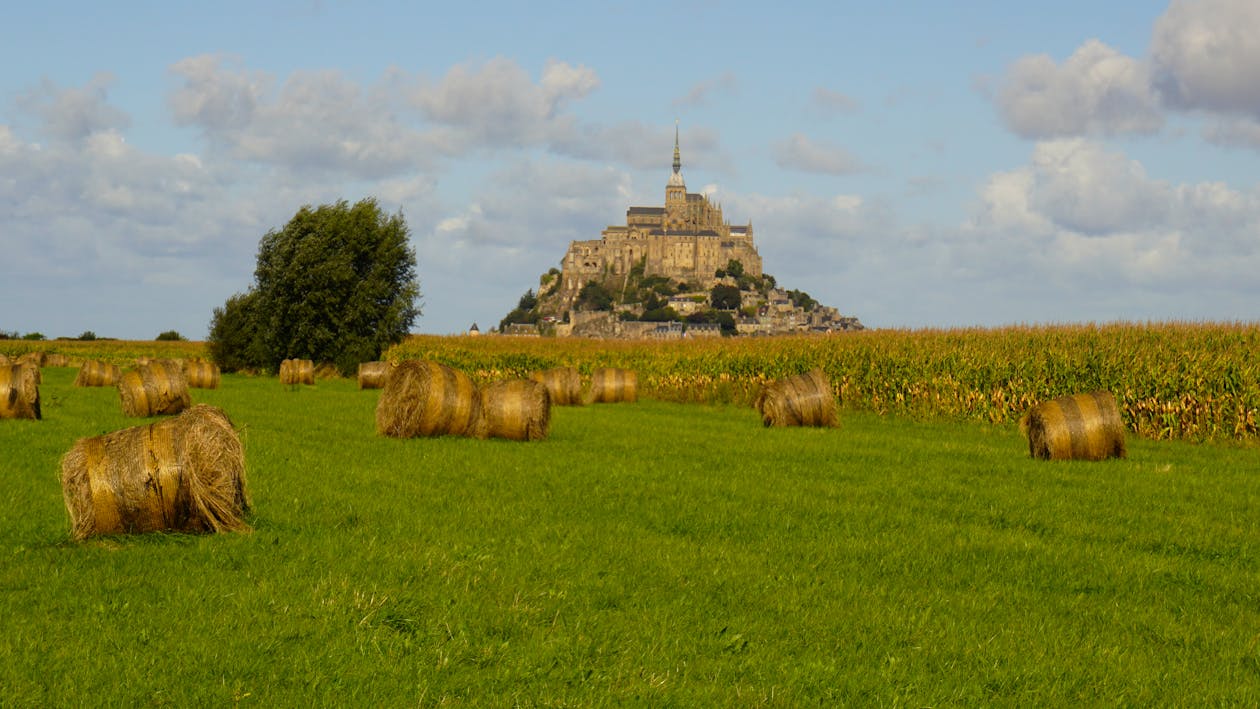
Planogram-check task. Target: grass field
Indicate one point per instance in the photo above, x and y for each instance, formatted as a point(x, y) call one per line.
point(651, 554)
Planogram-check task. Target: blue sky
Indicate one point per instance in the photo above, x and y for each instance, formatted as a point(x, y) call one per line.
point(916, 164)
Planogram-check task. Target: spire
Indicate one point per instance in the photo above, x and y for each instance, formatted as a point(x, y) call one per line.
point(677, 155)
point(676, 179)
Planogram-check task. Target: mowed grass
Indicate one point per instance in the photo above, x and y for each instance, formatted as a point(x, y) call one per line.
point(647, 554)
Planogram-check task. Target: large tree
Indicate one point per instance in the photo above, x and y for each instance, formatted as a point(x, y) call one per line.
point(336, 284)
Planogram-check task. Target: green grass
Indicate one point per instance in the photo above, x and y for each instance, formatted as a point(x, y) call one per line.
point(646, 554)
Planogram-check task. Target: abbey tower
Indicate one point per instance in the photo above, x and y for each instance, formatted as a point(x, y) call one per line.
point(686, 240)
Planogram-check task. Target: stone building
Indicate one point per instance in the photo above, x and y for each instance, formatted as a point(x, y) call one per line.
point(686, 240)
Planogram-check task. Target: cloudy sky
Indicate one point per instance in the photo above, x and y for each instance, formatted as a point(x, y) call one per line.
point(981, 162)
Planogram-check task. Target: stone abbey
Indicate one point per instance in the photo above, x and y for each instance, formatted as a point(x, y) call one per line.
point(686, 240)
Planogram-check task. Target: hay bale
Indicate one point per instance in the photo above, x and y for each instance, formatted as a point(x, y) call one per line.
point(426, 399)
point(184, 474)
point(1076, 427)
point(297, 371)
point(517, 409)
point(372, 374)
point(95, 373)
point(327, 370)
point(202, 374)
point(154, 389)
point(35, 359)
point(19, 392)
point(4, 359)
point(56, 359)
point(803, 400)
point(564, 384)
point(611, 385)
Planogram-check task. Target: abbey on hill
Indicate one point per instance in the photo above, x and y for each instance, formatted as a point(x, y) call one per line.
point(676, 270)
point(687, 240)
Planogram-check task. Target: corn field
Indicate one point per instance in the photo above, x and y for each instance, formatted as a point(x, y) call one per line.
point(1189, 381)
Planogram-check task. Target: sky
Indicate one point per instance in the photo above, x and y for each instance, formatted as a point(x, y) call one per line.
point(913, 164)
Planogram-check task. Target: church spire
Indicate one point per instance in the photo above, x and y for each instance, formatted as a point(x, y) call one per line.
point(675, 188)
point(677, 155)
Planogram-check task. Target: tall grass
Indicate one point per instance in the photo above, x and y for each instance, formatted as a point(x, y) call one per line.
point(649, 554)
point(1195, 381)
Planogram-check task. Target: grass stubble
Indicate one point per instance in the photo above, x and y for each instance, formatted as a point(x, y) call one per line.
point(651, 554)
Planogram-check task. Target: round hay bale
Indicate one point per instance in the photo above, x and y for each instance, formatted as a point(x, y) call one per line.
point(517, 409)
point(803, 400)
point(426, 399)
point(564, 384)
point(1076, 427)
point(153, 389)
point(201, 374)
point(56, 359)
point(184, 474)
point(95, 373)
point(297, 371)
point(19, 392)
point(326, 370)
point(611, 385)
point(372, 374)
point(35, 359)
point(4, 359)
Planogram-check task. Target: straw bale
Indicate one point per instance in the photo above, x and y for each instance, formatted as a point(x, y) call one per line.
point(1076, 427)
point(297, 371)
point(802, 400)
point(426, 399)
point(32, 358)
point(202, 374)
point(56, 359)
point(183, 474)
point(154, 389)
point(95, 373)
point(327, 370)
point(19, 392)
point(372, 374)
point(4, 359)
point(611, 385)
point(516, 409)
point(564, 384)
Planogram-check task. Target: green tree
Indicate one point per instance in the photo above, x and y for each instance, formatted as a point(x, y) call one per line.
point(594, 296)
point(662, 314)
point(234, 343)
point(336, 284)
point(734, 268)
point(169, 336)
point(801, 299)
point(87, 336)
point(529, 301)
point(725, 297)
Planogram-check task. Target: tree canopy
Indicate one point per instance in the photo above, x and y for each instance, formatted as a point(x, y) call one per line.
point(336, 284)
point(724, 297)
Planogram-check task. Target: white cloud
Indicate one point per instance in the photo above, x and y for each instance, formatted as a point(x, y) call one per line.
point(497, 105)
point(73, 114)
point(701, 92)
point(1082, 187)
point(1097, 91)
point(1206, 55)
point(1083, 212)
point(801, 153)
point(829, 102)
point(315, 121)
point(1231, 131)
